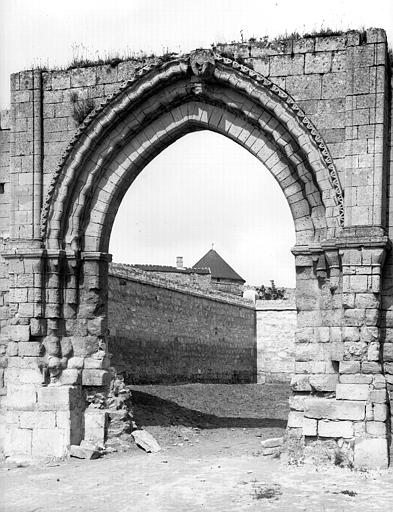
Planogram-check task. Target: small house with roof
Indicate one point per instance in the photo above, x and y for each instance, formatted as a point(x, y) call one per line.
point(223, 277)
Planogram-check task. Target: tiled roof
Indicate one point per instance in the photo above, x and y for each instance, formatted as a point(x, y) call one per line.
point(218, 267)
point(165, 268)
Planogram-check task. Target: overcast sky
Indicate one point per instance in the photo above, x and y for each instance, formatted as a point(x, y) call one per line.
point(203, 189)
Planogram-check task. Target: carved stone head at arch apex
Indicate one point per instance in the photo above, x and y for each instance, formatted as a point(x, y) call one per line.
point(202, 63)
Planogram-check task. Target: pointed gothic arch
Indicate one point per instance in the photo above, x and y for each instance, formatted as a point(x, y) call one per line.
point(202, 91)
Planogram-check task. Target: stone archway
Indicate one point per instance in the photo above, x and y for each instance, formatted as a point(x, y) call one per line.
point(338, 268)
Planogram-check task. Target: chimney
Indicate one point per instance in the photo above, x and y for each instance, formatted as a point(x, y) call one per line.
point(179, 262)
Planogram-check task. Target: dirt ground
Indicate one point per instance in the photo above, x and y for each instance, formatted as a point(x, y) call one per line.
point(210, 461)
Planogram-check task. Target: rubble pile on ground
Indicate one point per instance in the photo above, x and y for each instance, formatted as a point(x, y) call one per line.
point(117, 404)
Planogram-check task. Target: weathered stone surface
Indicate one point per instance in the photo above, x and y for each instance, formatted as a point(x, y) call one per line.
point(356, 378)
point(349, 366)
point(324, 382)
point(146, 441)
point(325, 408)
point(376, 428)
point(371, 453)
point(58, 398)
point(329, 136)
point(352, 391)
point(95, 377)
point(335, 428)
point(309, 427)
point(80, 452)
point(50, 442)
point(272, 442)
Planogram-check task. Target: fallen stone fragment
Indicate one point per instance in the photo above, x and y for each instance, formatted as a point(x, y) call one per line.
point(273, 442)
point(88, 445)
point(146, 441)
point(83, 453)
point(271, 451)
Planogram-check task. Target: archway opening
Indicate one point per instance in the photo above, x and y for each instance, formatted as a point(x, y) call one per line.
point(167, 336)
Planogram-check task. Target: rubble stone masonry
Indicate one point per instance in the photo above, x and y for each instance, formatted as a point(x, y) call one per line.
point(162, 331)
point(276, 327)
point(316, 112)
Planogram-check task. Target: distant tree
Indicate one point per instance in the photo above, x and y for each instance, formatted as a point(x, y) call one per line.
point(270, 292)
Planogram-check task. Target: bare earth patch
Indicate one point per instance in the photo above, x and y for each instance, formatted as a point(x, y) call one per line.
point(210, 461)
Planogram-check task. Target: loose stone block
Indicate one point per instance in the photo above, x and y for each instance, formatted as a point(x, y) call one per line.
point(273, 442)
point(352, 391)
point(83, 453)
point(335, 428)
point(371, 453)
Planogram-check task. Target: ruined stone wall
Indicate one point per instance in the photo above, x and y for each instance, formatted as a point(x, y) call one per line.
point(4, 235)
point(58, 267)
point(186, 277)
point(314, 71)
point(166, 332)
point(387, 289)
point(276, 327)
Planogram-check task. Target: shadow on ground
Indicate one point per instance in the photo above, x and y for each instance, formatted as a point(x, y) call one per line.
point(151, 410)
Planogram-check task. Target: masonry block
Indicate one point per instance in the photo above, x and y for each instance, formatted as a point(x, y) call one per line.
point(18, 441)
point(309, 427)
point(326, 408)
point(349, 367)
point(58, 398)
point(50, 442)
point(21, 396)
point(324, 382)
point(376, 428)
point(93, 377)
point(371, 453)
point(352, 391)
point(335, 428)
point(30, 348)
point(19, 332)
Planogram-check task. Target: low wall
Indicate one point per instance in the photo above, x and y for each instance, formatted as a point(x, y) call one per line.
point(161, 331)
point(276, 326)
